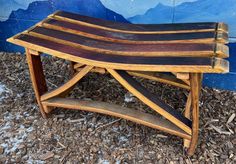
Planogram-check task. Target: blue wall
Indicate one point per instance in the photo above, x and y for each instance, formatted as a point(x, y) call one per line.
point(18, 15)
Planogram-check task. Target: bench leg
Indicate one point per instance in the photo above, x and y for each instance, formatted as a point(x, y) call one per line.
point(195, 87)
point(37, 78)
point(187, 114)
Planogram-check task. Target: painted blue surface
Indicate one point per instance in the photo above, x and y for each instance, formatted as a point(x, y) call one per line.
point(21, 19)
point(18, 15)
point(198, 11)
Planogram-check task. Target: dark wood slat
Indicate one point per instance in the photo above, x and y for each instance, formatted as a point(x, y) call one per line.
point(118, 111)
point(116, 58)
point(124, 27)
point(163, 64)
point(153, 98)
point(120, 37)
point(161, 49)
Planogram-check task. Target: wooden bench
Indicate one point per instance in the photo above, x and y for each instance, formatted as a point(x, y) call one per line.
point(185, 50)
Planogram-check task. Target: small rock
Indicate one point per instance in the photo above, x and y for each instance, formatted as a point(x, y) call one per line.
point(23, 151)
point(57, 156)
point(234, 141)
point(90, 129)
point(203, 146)
point(223, 156)
point(129, 97)
point(229, 145)
point(181, 160)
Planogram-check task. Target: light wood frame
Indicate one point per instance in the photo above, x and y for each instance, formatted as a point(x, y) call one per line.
point(174, 123)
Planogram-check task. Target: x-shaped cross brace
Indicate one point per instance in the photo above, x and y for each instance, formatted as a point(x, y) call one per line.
point(173, 121)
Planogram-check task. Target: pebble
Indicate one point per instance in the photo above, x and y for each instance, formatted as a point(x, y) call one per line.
point(234, 141)
point(223, 156)
point(230, 145)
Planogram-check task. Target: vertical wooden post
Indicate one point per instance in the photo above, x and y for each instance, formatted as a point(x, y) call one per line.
point(187, 113)
point(195, 87)
point(37, 77)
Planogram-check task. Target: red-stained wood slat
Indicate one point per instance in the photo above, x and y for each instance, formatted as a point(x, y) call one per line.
point(161, 49)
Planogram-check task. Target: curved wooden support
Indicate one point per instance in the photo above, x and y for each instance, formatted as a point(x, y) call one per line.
point(149, 99)
point(195, 83)
point(67, 85)
point(118, 111)
point(37, 77)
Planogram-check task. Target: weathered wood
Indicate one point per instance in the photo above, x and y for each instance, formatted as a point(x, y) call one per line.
point(149, 99)
point(37, 78)
point(185, 81)
point(195, 85)
point(118, 111)
point(138, 28)
point(187, 114)
point(135, 63)
point(33, 52)
point(60, 90)
point(130, 38)
point(184, 76)
point(159, 49)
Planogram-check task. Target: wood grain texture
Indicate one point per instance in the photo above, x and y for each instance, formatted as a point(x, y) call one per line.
point(195, 84)
point(160, 49)
point(149, 99)
point(137, 28)
point(60, 90)
point(183, 76)
point(130, 38)
point(118, 111)
point(187, 114)
point(162, 64)
point(37, 78)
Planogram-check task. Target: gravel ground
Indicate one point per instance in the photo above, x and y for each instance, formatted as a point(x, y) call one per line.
point(69, 136)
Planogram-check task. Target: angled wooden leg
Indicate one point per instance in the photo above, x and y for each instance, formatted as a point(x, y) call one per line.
point(187, 113)
point(195, 84)
point(37, 77)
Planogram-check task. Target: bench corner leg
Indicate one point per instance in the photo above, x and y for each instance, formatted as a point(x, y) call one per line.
point(195, 88)
point(37, 78)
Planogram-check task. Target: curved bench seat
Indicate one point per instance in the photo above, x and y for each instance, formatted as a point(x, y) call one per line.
point(113, 48)
point(136, 63)
point(136, 38)
point(183, 47)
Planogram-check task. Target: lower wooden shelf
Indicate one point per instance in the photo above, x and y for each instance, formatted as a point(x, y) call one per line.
point(118, 111)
